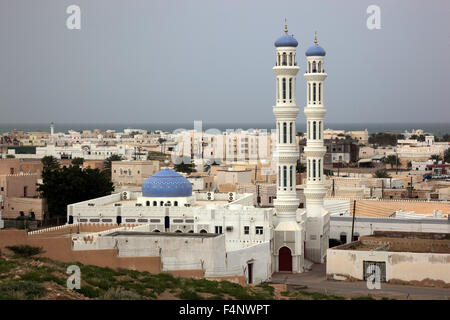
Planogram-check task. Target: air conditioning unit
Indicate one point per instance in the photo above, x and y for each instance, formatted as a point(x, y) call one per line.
point(231, 196)
point(210, 196)
point(125, 195)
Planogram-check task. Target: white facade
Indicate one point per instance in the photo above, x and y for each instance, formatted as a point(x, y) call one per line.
point(317, 226)
point(288, 232)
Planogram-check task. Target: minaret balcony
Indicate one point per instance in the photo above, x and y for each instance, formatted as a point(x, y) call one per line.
point(315, 76)
point(286, 70)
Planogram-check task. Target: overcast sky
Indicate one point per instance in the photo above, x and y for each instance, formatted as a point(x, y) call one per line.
point(182, 60)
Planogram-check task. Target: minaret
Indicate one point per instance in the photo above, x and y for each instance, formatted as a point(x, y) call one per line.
point(288, 232)
point(52, 128)
point(317, 225)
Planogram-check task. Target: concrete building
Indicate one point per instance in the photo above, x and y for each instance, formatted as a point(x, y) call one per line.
point(132, 172)
point(232, 176)
point(317, 226)
point(20, 197)
point(417, 258)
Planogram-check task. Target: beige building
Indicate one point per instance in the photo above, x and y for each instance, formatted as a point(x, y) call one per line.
point(20, 197)
point(232, 176)
point(133, 172)
point(414, 258)
point(17, 166)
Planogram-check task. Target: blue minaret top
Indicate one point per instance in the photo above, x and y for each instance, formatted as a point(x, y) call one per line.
point(315, 50)
point(286, 40)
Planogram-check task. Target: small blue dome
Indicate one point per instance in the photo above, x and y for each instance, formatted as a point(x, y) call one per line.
point(315, 50)
point(286, 40)
point(167, 183)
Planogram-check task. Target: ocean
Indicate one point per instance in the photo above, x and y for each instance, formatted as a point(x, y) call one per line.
point(437, 129)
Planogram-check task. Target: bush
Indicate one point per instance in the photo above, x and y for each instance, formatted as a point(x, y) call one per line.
point(88, 291)
point(19, 289)
point(25, 250)
point(187, 294)
point(120, 294)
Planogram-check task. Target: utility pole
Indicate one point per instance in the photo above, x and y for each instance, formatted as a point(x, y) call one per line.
point(353, 220)
point(332, 190)
point(382, 189)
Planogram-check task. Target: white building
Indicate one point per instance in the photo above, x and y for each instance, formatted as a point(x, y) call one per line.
point(317, 227)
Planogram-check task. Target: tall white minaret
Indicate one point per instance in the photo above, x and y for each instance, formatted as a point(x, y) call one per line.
point(288, 243)
point(317, 225)
point(52, 128)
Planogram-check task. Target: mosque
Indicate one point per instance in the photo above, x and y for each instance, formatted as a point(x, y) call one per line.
point(224, 233)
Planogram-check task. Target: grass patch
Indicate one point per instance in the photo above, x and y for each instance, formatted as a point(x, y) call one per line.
point(20, 289)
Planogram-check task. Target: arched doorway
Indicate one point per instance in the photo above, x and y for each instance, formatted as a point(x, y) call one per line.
point(284, 259)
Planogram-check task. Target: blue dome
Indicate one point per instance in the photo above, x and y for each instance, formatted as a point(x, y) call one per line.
point(315, 50)
point(286, 40)
point(167, 183)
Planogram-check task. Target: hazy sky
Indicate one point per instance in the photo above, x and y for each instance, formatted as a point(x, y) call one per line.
point(182, 60)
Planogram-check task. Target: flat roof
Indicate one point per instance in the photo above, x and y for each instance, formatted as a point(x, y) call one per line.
point(161, 234)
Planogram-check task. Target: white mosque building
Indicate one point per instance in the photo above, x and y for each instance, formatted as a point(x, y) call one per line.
point(250, 241)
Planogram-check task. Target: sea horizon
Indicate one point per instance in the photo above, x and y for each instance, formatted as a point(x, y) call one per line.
point(437, 129)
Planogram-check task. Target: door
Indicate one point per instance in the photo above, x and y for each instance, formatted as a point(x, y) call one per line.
point(250, 272)
point(285, 259)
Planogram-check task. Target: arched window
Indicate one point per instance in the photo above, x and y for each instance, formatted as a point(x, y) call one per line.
point(314, 93)
point(308, 130)
point(203, 231)
point(309, 169)
point(148, 203)
point(320, 129)
point(314, 130)
point(284, 89)
point(309, 93)
point(161, 203)
point(168, 203)
point(175, 203)
point(290, 59)
point(284, 177)
point(290, 132)
point(290, 89)
point(320, 92)
point(279, 176)
point(284, 59)
point(314, 169)
point(319, 67)
point(178, 231)
point(284, 133)
point(309, 67)
point(156, 230)
point(291, 177)
point(155, 203)
point(278, 89)
point(318, 168)
point(314, 67)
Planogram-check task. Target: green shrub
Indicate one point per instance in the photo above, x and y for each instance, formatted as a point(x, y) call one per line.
point(25, 250)
point(7, 265)
point(88, 291)
point(120, 294)
point(187, 294)
point(19, 289)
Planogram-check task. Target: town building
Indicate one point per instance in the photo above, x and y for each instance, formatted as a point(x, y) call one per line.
point(418, 258)
point(132, 172)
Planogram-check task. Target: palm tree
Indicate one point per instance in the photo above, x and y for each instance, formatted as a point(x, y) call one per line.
point(392, 159)
point(381, 174)
point(436, 157)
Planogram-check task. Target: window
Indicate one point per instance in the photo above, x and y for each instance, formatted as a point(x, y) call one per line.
point(320, 85)
point(343, 237)
point(284, 133)
point(25, 191)
point(284, 177)
point(314, 130)
point(175, 203)
point(314, 93)
point(290, 180)
point(290, 88)
point(314, 169)
point(155, 203)
point(147, 203)
point(246, 229)
point(218, 229)
point(284, 89)
point(290, 132)
point(259, 230)
point(320, 128)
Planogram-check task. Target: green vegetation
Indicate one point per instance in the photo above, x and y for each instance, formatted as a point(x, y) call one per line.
point(384, 139)
point(306, 295)
point(447, 156)
point(381, 174)
point(77, 162)
point(18, 289)
point(436, 157)
point(185, 165)
point(25, 250)
point(393, 160)
point(63, 186)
